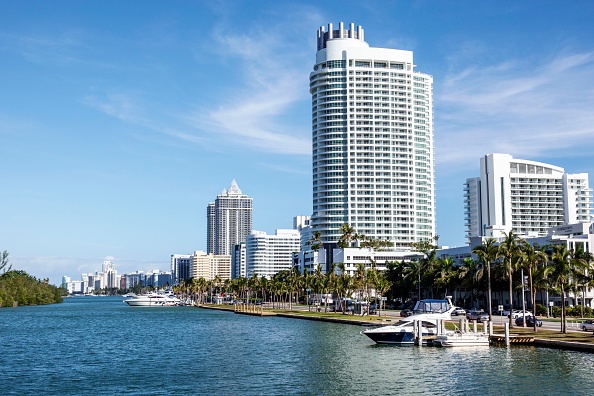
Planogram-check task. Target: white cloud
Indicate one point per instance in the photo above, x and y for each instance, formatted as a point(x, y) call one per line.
point(526, 109)
point(273, 72)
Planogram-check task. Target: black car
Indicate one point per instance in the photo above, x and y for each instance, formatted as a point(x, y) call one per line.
point(406, 312)
point(529, 321)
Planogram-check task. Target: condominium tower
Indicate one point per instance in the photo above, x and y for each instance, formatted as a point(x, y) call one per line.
point(526, 197)
point(372, 130)
point(229, 220)
point(265, 255)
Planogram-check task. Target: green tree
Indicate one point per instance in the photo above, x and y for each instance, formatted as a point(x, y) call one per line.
point(4, 262)
point(487, 252)
point(348, 236)
point(382, 285)
point(510, 250)
point(316, 241)
point(560, 270)
point(530, 257)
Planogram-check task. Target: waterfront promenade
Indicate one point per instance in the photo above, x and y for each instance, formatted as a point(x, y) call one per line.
point(576, 340)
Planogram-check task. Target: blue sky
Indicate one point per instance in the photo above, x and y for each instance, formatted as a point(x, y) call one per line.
point(120, 121)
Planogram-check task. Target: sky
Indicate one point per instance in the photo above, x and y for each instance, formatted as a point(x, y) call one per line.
point(121, 120)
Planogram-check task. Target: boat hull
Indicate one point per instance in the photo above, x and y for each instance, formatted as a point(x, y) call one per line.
point(156, 300)
point(394, 337)
point(462, 340)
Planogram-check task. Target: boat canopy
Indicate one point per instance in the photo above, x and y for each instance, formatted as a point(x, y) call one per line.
point(431, 306)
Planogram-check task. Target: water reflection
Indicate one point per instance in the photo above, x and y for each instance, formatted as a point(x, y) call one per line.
point(101, 346)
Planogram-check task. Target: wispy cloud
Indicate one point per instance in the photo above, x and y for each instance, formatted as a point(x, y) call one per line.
point(520, 107)
point(254, 107)
point(273, 71)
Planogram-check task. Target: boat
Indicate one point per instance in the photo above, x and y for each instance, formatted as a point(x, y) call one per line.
point(429, 312)
point(154, 300)
point(462, 339)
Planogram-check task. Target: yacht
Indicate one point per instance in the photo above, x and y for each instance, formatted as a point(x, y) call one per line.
point(428, 312)
point(154, 300)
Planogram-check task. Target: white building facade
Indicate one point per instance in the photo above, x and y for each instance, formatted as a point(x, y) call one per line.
point(181, 265)
point(525, 196)
point(229, 220)
point(268, 254)
point(373, 146)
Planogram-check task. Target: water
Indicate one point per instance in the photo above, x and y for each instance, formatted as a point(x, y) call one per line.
point(101, 346)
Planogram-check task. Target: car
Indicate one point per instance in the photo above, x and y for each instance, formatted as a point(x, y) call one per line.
point(529, 321)
point(458, 311)
point(517, 313)
point(479, 316)
point(587, 325)
point(406, 312)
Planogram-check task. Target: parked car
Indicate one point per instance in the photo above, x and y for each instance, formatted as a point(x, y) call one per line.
point(587, 325)
point(517, 313)
point(458, 311)
point(529, 321)
point(406, 312)
point(479, 316)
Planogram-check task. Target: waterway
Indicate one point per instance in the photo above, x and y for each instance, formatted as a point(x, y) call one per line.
point(100, 346)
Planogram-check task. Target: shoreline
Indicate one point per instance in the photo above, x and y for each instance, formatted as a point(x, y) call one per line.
point(538, 341)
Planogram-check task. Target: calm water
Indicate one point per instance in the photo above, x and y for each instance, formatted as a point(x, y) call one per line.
point(101, 346)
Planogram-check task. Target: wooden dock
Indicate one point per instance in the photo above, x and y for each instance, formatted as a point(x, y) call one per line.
point(513, 339)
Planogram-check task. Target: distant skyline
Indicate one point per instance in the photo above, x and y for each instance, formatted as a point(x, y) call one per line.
point(121, 121)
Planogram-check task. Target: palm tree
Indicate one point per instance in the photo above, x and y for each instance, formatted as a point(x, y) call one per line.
point(529, 259)
point(316, 241)
point(382, 285)
point(487, 253)
point(348, 235)
point(429, 251)
point(510, 249)
point(444, 274)
point(585, 276)
point(562, 268)
point(559, 272)
point(329, 284)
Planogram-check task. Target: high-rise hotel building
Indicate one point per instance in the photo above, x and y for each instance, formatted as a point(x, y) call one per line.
point(373, 153)
point(229, 221)
point(523, 196)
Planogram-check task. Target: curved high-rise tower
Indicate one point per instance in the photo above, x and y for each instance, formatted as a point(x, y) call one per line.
point(373, 154)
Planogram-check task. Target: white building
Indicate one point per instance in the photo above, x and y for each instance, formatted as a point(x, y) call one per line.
point(525, 196)
point(373, 153)
point(209, 266)
point(181, 265)
point(303, 225)
point(229, 220)
point(268, 254)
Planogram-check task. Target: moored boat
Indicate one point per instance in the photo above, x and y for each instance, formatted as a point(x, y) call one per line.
point(154, 300)
point(427, 312)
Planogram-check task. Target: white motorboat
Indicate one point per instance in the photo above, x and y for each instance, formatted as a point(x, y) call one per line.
point(462, 339)
point(154, 300)
point(428, 312)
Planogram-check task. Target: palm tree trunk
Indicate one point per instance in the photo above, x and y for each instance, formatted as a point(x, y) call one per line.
point(532, 297)
point(489, 291)
point(563, 324)
point(511, 290)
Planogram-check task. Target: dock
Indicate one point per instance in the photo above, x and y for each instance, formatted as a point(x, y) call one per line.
point(513, 339)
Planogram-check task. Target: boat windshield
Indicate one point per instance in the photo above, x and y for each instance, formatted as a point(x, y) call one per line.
point(408, 322)
point(431, 306)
